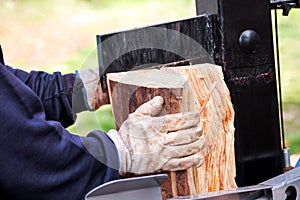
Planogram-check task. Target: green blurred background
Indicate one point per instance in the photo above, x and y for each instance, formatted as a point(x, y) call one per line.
point(61, 36)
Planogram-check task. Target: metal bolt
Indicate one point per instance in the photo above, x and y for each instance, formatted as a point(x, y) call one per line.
point(249, 41)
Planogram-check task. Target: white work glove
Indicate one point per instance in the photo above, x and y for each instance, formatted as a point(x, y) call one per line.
point(93, 95)
point(149, 143)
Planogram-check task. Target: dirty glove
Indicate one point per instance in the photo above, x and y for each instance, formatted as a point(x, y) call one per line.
point(149, 143)
point(94, 97)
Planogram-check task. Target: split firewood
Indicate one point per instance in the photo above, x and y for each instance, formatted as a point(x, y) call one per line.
point(198, 88)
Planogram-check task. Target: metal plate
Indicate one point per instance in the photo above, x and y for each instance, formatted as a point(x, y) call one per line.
point(137, 188)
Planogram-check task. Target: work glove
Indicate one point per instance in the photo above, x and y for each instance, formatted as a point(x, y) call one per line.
point(94, 97)
point(149, 143)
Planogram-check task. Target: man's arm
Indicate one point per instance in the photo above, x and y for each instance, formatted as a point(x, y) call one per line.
point(55, 91)
point(39, 159)
point(63, 96)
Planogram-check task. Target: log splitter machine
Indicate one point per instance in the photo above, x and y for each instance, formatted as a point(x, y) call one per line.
point(240, 37)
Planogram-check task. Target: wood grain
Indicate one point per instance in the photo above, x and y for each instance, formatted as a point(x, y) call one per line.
point(184, 89)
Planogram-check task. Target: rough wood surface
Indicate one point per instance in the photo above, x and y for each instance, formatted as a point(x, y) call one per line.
point(187, 88)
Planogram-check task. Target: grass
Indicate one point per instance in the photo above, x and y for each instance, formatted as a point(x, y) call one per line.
point(289, 42)
point(60, 36)
point(102, 119)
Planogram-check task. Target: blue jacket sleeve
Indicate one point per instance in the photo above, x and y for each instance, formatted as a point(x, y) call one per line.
point(55, 91)
point(39, 159)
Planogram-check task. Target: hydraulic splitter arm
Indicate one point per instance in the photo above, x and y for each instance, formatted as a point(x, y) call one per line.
point(285, 5)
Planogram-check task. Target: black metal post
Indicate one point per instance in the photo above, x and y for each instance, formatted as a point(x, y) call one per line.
point(1, 56)
point(247, 57)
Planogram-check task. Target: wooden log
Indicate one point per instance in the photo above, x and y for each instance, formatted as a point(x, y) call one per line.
point(198, 88)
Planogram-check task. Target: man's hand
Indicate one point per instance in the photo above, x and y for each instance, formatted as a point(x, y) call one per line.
point(94, 96)
point(149, 143)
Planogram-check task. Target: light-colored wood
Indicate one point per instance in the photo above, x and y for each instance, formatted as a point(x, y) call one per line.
point(198, 88)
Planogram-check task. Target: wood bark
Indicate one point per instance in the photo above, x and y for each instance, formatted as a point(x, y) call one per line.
point(198, 88)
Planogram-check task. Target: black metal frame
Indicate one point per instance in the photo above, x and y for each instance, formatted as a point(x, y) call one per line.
point(248, 63)
point(1, 56)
